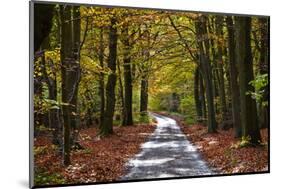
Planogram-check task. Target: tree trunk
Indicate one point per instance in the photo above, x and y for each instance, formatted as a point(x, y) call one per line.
point(54, 117)
point(204, 62)
point(219, 33)
point(66, 62)
point(127, 80)
point(263, 69)
point(53, 114)
point(144, 94)
point(74, 75)
point(245, 67)
point(233, 80)
point(121, 92)
point(202, 97)
point(101, 79)
point(197, 100)
point(215, 73)
point(107, 125)
point(264, 50)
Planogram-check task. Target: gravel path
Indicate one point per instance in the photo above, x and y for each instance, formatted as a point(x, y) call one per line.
point(167, 153)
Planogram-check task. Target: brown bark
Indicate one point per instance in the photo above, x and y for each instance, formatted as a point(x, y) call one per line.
point(204, 62)
point(235, 102)
point(101, 78)
point(74, 75)
point(245, 67)
point(128, 96)
point(107, 126)
point(263, 69)
point(144, 94)
point(198, 102)
point(202, 97)
point(219, 33)
point(53, 113)
point(66, 62)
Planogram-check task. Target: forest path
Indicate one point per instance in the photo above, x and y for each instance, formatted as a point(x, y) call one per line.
point(167, 153)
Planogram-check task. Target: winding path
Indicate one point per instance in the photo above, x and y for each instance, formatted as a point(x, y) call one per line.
point(167, 153)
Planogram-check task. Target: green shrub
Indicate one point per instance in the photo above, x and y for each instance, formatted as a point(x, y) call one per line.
point(245, 141)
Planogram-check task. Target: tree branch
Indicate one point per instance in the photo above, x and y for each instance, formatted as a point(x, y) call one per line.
point(182, 38)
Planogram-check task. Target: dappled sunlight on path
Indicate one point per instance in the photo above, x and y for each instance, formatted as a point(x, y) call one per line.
point(167, 153)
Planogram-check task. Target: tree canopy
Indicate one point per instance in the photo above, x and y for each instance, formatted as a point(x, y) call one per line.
point(101, 67)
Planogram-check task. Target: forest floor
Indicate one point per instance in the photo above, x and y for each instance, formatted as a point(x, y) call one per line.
point(101, 160)
point(146, 151)
point(221, 150)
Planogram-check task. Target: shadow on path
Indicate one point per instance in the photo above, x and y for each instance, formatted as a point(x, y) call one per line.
point(167, 153)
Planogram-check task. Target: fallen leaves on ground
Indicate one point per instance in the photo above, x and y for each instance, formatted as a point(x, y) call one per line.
point(101, 160)
point(221, 152)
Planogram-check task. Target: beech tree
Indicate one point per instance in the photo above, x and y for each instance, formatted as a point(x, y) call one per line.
point(220, 64)
point(107, 123)
point(244, 59)
point(67, 60)
point(101, 78)
point(233, 78)
point(264, 70)
point(128, 95)
point(70, 68)
point(204, 63)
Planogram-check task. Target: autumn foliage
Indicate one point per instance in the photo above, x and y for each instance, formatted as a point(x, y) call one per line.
point(99, 73)
point(101, 160)
point(224, 153)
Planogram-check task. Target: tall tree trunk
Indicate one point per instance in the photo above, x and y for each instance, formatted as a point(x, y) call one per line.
point(215, 82)
point(204, 62)
point(228, 85)
point(75, 75)
point(235, 101)
point(121, 94)
point(144, 94)
point(101, 78)
point(145, 75)
point(67, 61)
point(127, 79)
point(264, 50)
point(202, 97)
point(219, 33)
point(107, 126)
point(53, 114)
point(245, 67)
point(263, 69)
point(197, 99)
point(215, 73)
